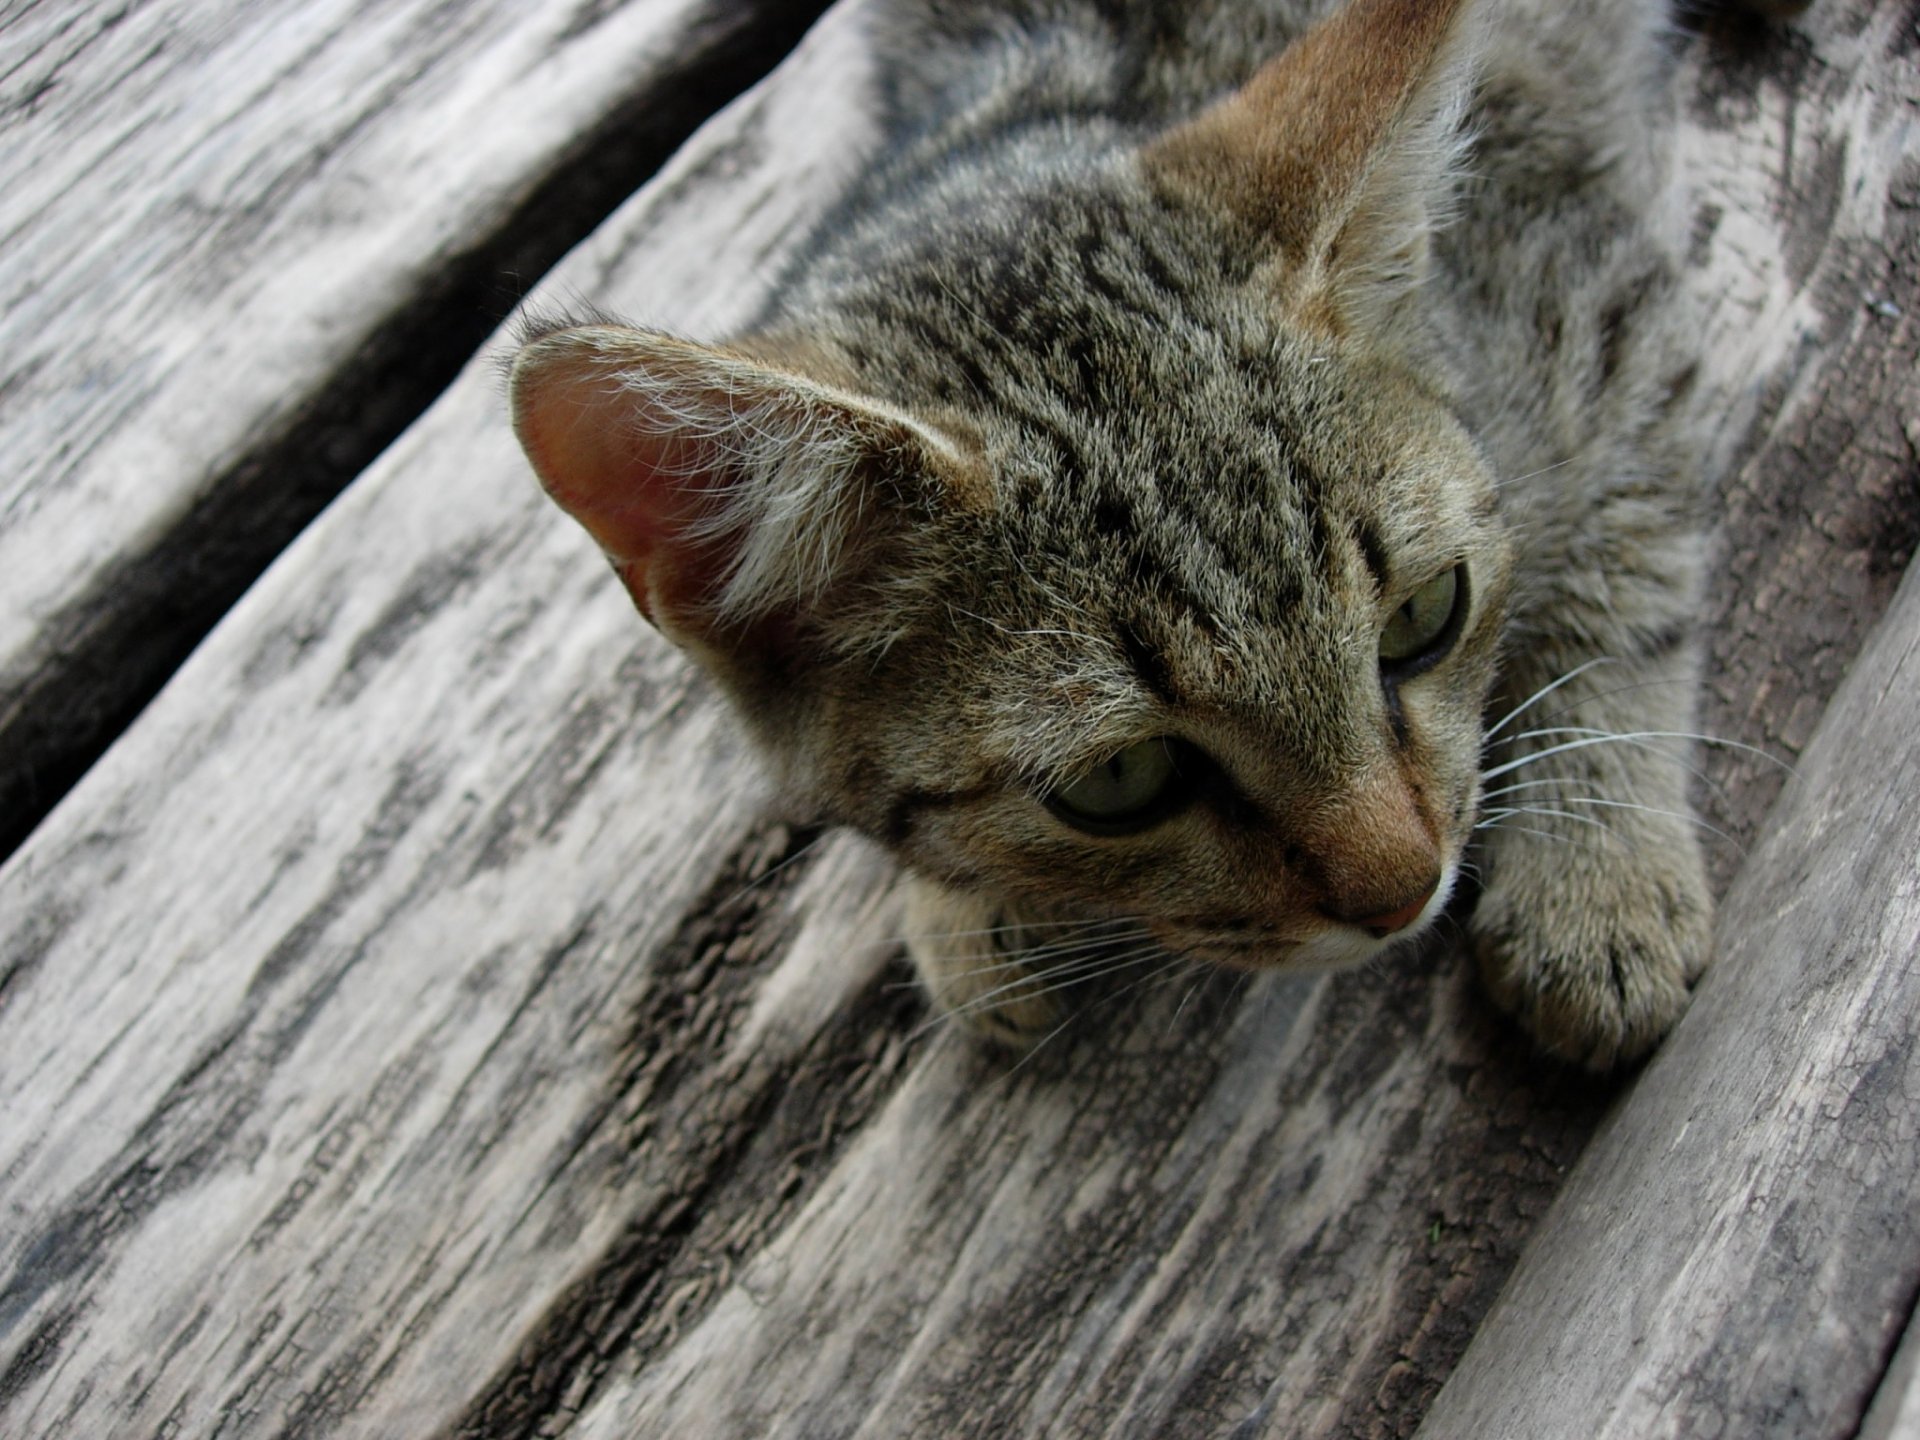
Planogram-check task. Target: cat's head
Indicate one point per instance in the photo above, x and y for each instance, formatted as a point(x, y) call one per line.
point(1112, 546)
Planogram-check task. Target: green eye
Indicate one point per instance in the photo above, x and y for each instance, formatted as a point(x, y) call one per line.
point(1426, 622)
point(1133, 790)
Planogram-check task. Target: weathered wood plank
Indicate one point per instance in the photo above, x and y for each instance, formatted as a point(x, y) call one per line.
point(395, 1031)
point(388, 1044)
point(241, 247)
point(1895, 1412)
point(1739, 1251)
point(1802, 150)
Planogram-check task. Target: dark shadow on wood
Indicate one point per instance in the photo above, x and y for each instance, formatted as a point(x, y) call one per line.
point(122, 640)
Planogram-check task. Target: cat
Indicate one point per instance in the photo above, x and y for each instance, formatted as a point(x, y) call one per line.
point(1233, 473)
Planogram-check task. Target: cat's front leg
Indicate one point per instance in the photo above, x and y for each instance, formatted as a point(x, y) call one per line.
point(972, 953)
point(1596, 917)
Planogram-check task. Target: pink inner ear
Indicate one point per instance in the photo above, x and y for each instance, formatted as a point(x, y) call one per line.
point(631, 480)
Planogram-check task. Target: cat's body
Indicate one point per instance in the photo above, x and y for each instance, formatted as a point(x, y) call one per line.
point(1127, 503)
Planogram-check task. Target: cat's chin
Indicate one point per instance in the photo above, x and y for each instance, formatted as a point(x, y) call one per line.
point(1333, 949)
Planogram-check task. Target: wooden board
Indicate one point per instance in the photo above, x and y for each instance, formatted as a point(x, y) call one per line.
point(1739, 1250)
point(412, 1026)
point(242, 246)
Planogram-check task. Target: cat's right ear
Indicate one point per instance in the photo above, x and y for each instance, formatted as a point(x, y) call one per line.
point(1339, 153)
point(730, 493)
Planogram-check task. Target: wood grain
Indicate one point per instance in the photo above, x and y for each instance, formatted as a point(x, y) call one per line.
point(1739, 1250)
point(1801, 148)
point(242, 246)
point(416, 1025)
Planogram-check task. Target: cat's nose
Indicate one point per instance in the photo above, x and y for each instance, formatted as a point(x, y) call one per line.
point(1391, 921)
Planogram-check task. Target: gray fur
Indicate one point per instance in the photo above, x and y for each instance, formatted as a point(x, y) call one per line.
point(1107, 486)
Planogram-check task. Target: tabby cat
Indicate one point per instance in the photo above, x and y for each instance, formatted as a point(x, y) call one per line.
point(1237, 500)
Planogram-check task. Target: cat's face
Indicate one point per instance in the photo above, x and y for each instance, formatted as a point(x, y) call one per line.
point(1100, 543)
point(1211, 654)
point(1224, 672)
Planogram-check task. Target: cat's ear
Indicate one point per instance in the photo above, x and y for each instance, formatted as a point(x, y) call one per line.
point(730, 493)
point(1339, 153)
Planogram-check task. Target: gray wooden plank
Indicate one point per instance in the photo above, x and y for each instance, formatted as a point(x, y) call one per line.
point(1739, 1250)
point(417, 1038)
point(1802, 150)
point(392, 1042)
point(1895, 1411)
point(241, 247)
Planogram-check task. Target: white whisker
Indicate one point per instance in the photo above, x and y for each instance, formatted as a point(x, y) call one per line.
point(1556, 780)
point(1029, 986)
point(1526, 830)
point(761, 879)
point(1534, 474)
point(1686, 815)
point(1543, 692)
point(1641, 736)
point(1494, 817)
point(1642, 739)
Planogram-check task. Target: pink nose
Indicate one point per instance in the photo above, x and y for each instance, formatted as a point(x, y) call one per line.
point(1391, 922)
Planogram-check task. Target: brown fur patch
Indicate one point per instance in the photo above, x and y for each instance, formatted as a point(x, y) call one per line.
point(1288, 152)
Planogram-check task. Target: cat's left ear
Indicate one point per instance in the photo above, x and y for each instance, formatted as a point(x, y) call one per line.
point(1339, 154)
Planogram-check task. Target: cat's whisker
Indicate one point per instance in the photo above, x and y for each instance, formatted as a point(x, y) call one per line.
point(1199, 975)
point(1022, 964)
point(1642, 740)
point(1645, 739)
point(1719, 742)
point(1025, 977)
point(1639, 737)
point(1035, 1048)
point(992, 998)
point(1545, 690)
point(1495, 817)
point(1561, 781)
point(1686, 815)
point(1181, 1009)
point(1174, 962)
point(1076, 929)
point(1034, 986)
point(1534, 474)
point(1100, 935)
point(954, 295)
point(1612, 692)
point(1526, 830)
point(1558, 781)
point(773, 870)
point(1051, 958)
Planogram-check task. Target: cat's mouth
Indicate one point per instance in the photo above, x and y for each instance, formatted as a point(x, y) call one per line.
point(1300, 943)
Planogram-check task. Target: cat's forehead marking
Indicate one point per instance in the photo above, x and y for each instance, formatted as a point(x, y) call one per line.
point(1191, 477)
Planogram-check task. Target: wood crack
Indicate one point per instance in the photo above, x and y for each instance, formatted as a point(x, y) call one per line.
point(742, 1145)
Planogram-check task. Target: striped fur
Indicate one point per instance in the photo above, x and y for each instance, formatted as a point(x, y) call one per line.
point(1130, 397)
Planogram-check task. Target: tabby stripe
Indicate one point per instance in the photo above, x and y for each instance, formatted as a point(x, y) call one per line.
point(1375, 552)
point(1149, 666)
point(905, 809)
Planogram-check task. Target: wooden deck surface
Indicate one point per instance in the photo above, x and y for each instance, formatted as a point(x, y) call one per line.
point(413, 1023)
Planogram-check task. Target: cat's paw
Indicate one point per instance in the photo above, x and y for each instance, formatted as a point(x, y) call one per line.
point(968, 950)
point(1594, 948)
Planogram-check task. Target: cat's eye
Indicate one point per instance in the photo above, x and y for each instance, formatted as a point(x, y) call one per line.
point(1130, 791)
point(1425, 625)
